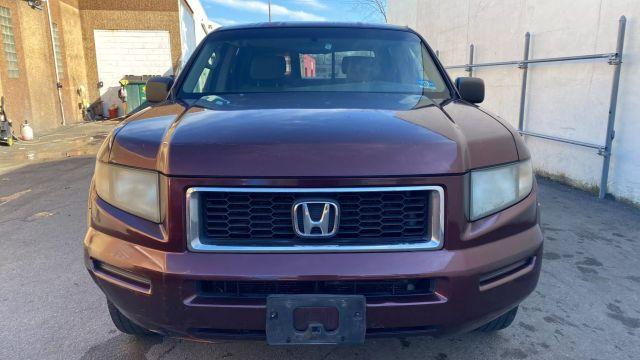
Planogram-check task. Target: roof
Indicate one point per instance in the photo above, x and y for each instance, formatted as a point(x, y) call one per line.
point(313, 24)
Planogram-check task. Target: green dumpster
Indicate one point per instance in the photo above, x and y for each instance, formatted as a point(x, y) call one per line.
point(136, 96)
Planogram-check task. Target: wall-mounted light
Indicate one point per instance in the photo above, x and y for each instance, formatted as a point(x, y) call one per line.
point(36, 4)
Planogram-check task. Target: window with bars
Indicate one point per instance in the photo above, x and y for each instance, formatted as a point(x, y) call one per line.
point(57, 52)
point(9, 43)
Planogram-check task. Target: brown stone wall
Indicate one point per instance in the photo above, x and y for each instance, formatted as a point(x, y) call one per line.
point(68, 92)
point(33, 96)
point(72, 3)
point(16, 91)
point(75, 64)
point(40, 76)
point(129, 5)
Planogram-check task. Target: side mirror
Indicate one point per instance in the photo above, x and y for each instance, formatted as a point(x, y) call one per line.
point(157, 89)
point(471, 89)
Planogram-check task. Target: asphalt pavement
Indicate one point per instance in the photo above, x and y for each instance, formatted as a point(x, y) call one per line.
point(587, 305)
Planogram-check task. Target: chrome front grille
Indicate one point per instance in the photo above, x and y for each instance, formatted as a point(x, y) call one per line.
point(260, 219)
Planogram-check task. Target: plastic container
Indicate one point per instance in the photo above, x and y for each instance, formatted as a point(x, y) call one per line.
point(113, 112)
point(26, 132)
point(136, 95)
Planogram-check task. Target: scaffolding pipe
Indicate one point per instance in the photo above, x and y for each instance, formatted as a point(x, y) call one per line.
point(614, 59)
point(617, 62)
point(523, 89)
point(55, 63)
point(534, 61)
point(600, 148)
point(469, 67)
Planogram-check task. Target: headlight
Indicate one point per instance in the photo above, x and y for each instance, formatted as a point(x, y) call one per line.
point(499, 187)
point(132, 190)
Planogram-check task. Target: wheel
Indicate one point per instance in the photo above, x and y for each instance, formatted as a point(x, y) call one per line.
point(125, 325)
point(500, 323)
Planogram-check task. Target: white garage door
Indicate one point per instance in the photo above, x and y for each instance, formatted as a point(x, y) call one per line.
point(129, 52)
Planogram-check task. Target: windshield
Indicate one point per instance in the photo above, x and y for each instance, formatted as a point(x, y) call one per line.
point(272, 60)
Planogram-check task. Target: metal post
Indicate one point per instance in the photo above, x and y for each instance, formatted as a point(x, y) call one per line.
point(269, 10)
point(469, 68)
point(55, 63)
point(523, 90)
point(617, 62)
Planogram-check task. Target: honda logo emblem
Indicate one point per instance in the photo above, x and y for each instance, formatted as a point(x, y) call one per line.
point(315, 218)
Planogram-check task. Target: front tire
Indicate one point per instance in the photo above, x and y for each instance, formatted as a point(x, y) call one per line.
point(500, 323)
point(125, 325)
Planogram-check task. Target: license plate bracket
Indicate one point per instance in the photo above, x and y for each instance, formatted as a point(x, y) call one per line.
point(280, 319)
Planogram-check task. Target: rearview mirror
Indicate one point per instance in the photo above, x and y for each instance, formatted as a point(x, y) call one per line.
point(471, 89)
point(157, 89)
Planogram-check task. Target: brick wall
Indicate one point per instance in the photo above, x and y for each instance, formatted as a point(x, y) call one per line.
point(76, 74)
point(33, 95)
point(16, 91)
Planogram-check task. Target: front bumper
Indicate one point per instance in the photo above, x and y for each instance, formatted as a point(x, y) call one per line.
point(172, 306)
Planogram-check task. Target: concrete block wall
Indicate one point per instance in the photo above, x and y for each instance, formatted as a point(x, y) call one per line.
point(570, 99)
point(129, 52)
point(131, 15)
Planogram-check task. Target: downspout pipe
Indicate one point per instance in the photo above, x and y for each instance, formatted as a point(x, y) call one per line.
point(55, 63)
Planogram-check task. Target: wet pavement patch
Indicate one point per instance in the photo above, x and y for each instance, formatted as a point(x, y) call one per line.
point(587, 270)
point(75, 140)
point(123, 347)
point(548, 255)
point(558, 320)
point(39, 215)
point(589, 261)
point(633, 278)
point(514, 354)
point(6, 199)
point(527, 327)
point(544, 345)
point(616, 313)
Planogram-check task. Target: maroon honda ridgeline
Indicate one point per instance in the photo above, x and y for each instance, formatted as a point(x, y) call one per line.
point(313, 183)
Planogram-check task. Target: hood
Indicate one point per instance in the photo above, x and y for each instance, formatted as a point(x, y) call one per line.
point(313, 135)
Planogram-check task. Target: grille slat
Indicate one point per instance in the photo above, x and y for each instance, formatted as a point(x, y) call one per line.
point(368, 288)
point(265, 218)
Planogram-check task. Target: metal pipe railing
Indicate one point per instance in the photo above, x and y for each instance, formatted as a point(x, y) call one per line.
point(613, 103)
point(614, 59)
point(525, 71)
point(55, 64)
point(470, 66)
point(533, 61)
point(600, 148)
